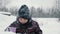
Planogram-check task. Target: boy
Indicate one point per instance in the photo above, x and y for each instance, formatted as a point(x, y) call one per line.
point(24, 24)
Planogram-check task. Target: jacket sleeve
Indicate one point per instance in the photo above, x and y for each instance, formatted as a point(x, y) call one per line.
point(7, 29)
point(11, 28)
point(38, 30)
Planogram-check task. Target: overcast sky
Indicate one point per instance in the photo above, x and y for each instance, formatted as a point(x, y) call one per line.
point(36, 3)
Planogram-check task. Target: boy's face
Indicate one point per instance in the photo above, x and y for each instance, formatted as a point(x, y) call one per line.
point(23, 21)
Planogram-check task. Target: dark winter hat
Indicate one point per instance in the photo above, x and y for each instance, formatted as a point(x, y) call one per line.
point(24, 12)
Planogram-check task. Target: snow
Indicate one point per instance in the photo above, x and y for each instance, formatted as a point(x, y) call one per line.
point(5, 21)
point(7, 33)
point(47, 25)
point(4, 12)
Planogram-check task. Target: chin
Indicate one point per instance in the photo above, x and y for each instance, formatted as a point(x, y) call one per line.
point(23, 23)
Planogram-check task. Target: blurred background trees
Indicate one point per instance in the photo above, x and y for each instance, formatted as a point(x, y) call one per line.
point(53, 12)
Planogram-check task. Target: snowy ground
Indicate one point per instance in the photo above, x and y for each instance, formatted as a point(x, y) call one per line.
point(48, 25)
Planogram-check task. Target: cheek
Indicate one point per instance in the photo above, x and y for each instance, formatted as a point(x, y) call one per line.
point(19, 20)
point(26, 20)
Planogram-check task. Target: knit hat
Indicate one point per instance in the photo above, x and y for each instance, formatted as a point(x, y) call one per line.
point(24, 12)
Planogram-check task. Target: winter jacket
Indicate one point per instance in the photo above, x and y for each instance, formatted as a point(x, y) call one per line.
point(30, 27)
